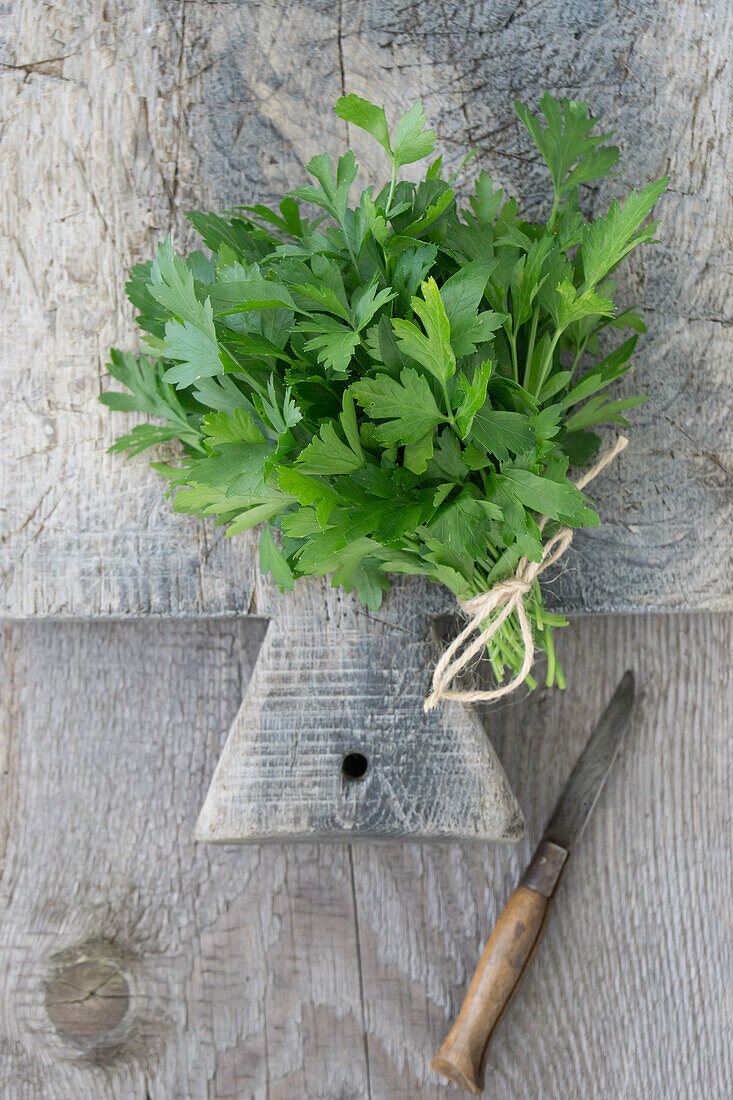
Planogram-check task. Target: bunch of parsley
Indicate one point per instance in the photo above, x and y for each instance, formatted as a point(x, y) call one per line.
point(396, 384)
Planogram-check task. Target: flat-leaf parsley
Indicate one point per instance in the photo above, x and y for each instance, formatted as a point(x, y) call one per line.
point(393, 383)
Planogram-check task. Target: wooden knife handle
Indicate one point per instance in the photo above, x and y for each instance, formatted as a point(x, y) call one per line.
point(501, 968)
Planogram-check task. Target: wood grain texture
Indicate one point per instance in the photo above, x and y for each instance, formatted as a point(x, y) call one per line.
point(117, 117)
point(331, 680)
point(333, 971)
point(321, 971)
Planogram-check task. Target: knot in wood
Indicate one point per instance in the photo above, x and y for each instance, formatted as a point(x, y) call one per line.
point(87, 1001)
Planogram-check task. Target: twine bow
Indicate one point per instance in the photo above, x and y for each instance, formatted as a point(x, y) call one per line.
point(490, 609)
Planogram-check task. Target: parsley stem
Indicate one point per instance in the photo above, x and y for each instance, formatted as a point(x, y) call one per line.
point(448, 407)
point(547, 361)
point(551, 659)
point(351, 250)
point(530, 347)
point(513, 348)
point(581, 349)
point(553, 213)
point(391, 190)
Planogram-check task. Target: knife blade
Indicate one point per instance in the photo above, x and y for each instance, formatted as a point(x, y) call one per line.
point(516, 935)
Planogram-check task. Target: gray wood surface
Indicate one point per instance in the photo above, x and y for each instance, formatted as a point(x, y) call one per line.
point(118, 117)
point(330, 681)
point(331, 972)
point(137, 965)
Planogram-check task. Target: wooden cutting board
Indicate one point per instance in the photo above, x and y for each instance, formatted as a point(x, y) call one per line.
point(106, 146)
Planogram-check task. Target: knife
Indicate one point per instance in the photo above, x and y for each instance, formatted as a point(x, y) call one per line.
point(517, 932)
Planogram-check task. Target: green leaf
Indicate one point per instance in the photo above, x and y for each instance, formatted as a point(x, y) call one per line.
point(350, 425)
point(473, 396)
point(569, 305)
point(195, 351)
point(461, 526)
point(580, 447)
point(420, 226)
point(375, 219)
point(442, 493)
point(368, 301)
point(461, 295)
point(520, 532)
point(527, 279)
point(237, 468)
point(545, 423)
point(487, 201)
point(448, 457)
point(333, 342)
point(600, 411)
point(417, 455)
point(258, 513)
point(151, 314)
point(556, 382)
point(601, 374)
point(330, 550)
point(412, 141)
point(566, 141)
point(273, 561)
point(308, 491)
point(431, 349)
point(250, 294)
point(327, 454)
point(407, 405)
point(607, 240)
point(235, 232)
point(333, 193)
point(367, 116)
point(323, 297)
point(381, 345)
point(148, 393)
point(140, 438)
point(238, 427)
point(220, 393)
point(500, 432)
point(389, 519)
point(255, 344)
point(411, 268)
point(301, 524)
point(366, 576)
point(549, 498)
point(171, 284)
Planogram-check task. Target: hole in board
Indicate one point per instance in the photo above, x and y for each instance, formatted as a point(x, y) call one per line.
point(354, 766)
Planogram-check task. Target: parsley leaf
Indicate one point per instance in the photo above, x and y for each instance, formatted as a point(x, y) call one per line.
point(431, 348)
point(327, 454)
point(407, 406)
point(395, 382)
point(273, 561)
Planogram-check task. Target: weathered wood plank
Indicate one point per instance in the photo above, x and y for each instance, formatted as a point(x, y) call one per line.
point(112, 735)
point(118, 117)
point(309, 971)
point(628, 994)
point(332, 741)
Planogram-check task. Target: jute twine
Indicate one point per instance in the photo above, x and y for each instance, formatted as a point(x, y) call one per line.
point(489, 610)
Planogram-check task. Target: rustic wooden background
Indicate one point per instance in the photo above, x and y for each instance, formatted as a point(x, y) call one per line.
point(118, 116)
point(332, 972)
point(136, 965)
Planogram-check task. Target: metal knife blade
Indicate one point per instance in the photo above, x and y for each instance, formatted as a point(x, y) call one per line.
point(589, 774)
